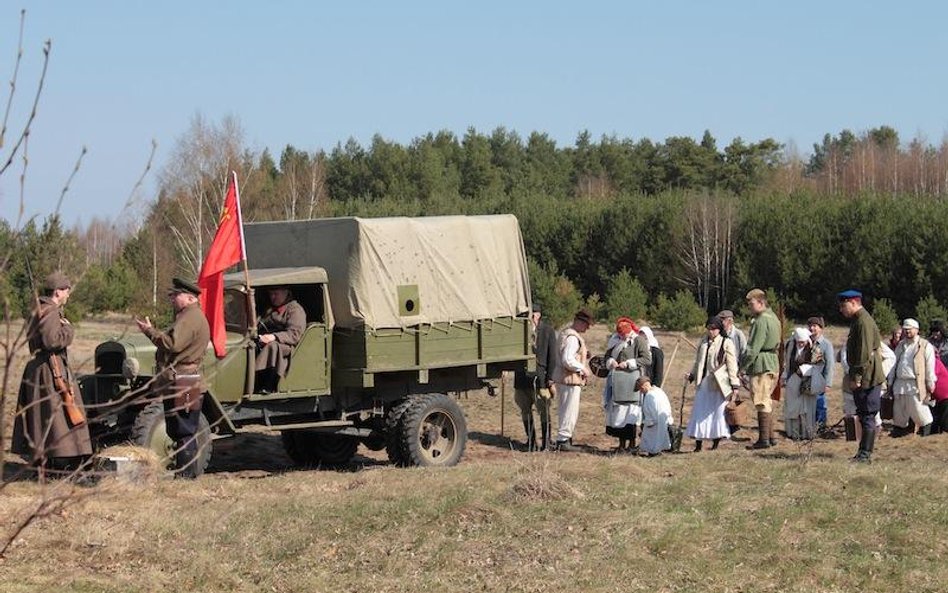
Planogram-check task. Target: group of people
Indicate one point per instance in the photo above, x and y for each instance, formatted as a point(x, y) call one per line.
point(51, 430)
point(910, 373)
point(633, 401)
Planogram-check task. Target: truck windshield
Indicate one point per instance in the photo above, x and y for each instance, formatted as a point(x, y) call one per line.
point(235, 311)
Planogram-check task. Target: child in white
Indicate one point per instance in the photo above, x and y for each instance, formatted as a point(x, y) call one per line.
point(656, 418)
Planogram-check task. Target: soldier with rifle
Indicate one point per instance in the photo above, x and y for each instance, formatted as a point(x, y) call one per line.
point(50, 428)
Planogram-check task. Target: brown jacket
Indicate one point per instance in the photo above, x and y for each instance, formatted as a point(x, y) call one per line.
point(41, 428)
point(287, 324)
point(185, 342)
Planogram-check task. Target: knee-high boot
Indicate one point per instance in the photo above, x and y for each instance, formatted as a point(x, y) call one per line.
point(763, 431)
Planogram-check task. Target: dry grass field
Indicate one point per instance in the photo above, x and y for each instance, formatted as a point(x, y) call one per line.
point(794, 518)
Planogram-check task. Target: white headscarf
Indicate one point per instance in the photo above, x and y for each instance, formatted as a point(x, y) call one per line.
point(801, 334)
point(652, 342)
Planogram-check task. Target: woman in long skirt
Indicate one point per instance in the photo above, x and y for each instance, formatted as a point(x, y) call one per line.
point(803, 380)
point(627, 355)
point(715, 370)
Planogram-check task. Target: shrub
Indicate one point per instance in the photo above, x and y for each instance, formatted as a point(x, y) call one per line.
point(625, 296)
point(556, 293)
point(680, 312)
point(927, 310)
point(885, 316)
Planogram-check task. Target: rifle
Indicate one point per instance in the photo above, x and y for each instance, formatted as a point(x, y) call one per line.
point(677, 433)
point(780, 353)
point(62, 386)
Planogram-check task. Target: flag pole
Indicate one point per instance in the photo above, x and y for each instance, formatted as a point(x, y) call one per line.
point(251, 300)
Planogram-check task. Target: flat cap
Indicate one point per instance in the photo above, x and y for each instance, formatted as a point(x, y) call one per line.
point(584, 315)
point(756, 294)
point(909, 323)
point(57, 280)
point(816, 320)
point(536, 307)
point(726, 314)
point(849, 294)
point(179, 285)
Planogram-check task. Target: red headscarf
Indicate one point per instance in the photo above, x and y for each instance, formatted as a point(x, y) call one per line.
point(625, 326)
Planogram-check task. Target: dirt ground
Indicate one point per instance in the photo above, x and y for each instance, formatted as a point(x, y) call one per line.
point(494, 424)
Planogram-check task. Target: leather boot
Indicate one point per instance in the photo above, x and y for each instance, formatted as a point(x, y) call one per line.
point(531, 442)
point(698, 445)
point(632, 446)
point(715, 443)
point(925, 430)
point(850, 423)
point(868, 444)
point(763, 431)
point(771, 438)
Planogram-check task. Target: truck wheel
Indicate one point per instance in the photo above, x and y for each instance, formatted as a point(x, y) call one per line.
point(148, 430)
point(394, 444)
point(312, 448)
point(434, 431)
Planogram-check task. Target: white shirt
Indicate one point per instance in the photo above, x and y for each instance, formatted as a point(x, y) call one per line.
point(570, 350)
point(905, 367)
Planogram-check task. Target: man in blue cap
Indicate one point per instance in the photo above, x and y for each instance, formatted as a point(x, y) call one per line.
point(865, 376)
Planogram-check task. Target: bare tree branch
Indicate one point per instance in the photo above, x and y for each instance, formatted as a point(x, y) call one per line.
point(16, 71)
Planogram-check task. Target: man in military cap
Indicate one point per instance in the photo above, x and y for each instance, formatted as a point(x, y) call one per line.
point(50, 429)
point(761, 365)
point(865, 376)
point(179, 383)
point(534, 389)
point(283, 325)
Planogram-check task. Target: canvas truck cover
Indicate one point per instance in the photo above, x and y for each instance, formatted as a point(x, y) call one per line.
point(399, 272)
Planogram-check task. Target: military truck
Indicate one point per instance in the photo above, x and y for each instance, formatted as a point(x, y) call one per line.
point(403, 315)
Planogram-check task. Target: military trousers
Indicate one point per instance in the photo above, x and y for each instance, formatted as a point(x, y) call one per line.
point(527, 399)
point(182, 427)
point(761, 388)
point(868, 403)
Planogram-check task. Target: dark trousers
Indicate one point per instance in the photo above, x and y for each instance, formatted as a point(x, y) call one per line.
point(182, 426)
point(868, 403)
point(940, 414)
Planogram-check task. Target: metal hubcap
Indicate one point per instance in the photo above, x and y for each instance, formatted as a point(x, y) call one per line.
point(437, 436)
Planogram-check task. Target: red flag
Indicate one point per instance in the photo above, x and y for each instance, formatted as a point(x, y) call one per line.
point(226, 250)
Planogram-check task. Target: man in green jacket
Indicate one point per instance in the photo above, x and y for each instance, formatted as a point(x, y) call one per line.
point(865, 375)
point(760, 364)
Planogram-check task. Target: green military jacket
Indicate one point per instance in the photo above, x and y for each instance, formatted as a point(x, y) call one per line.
point(761, 354)
point(862, 351)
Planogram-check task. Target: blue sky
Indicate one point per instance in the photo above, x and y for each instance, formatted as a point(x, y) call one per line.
point(313, 74)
